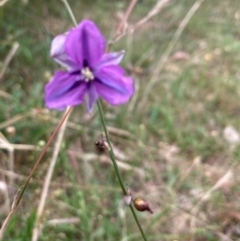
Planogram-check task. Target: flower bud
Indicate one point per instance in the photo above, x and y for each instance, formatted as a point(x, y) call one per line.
point(141, 205)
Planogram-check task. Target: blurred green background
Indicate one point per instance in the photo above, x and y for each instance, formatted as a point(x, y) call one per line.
point(178, 146)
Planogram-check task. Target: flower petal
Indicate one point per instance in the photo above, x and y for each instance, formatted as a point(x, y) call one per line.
point(57, 52)
point(63, 90)
point(113, 86)
point(85, 42)
point(113, 58)
point(91, 97)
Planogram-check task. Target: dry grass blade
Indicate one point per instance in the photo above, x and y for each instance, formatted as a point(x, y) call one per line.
point(22, 147)
point(54, 222)
point(10, 148)
point(134, 99)
point(4, 196)
point(13, 120)
point(195, 163)
point(37, 228)
point(46, 117)
point(12, 175)
point(224, 179)
point(157, 70)
point(9, 57)
point(124, 166)
point(3, 2)
point(121, 25)
point(186, 216)
point(5, 95)
point(156, 9)
point(193, 212)
point(126, 16)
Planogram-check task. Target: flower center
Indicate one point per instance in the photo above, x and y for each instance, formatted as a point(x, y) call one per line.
point(87, 74)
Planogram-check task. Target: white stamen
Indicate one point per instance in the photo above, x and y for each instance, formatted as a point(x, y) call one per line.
point(87, 74)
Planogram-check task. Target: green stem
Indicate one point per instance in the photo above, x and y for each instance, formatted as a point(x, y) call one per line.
point(112, 156)
point(111, 153)
point(70, 12)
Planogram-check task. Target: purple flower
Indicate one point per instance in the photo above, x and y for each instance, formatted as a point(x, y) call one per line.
point(90, 72)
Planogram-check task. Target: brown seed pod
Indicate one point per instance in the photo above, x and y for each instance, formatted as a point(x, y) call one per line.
point(141, 205)
point(102, 144)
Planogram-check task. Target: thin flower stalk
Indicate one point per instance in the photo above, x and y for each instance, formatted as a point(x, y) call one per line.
point(112, 156)
point(111, 153)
